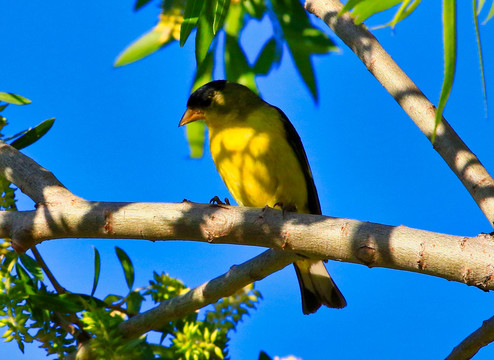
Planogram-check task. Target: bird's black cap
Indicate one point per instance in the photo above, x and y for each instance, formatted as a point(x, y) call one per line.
point(202, 97)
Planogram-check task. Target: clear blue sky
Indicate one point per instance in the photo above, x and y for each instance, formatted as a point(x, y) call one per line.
point(116, 139)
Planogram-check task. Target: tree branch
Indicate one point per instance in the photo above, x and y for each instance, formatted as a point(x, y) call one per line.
point(463, 259)
point(32, 179)
point(448, 144)
point(178, 307)
point(474, 342)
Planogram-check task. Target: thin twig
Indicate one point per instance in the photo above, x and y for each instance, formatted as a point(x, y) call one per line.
point(59, 288)
point(474, 342)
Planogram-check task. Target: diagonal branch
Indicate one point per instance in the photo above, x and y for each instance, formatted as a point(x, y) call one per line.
point(474, 342)
point(448, 144)
point(33, 180)
point(180, 306)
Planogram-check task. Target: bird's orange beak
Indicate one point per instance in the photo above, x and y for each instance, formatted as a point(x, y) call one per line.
point(191, 115)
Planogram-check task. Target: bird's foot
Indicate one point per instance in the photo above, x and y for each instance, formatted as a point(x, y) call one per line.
point(217, 201)
point(285, 208)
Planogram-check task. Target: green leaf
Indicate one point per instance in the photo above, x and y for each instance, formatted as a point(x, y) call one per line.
point(491, 14)
point(127, 266)
point(305, 68)
point(195, 133)
point(365, 9)
point(255, 8)
point(58, 303)
point(110, 299)
point(97, 269)
point(134, 301)
point(204, 38)
point(140, 3)
point(264, 356)
point(2, 107)
point(33, 134)
point(449, 38)
point(32, 266)
point(314, 41)
point(268, 56)
point(220, 10)
point(350, 4)
point(237, 67)
point(481, 57)
point(481, 5)
point(204, 72)
point(15, 136)
point(147, 44)
point(404, 11)
point(14, 99)
point(299, 34)
point(193, 9)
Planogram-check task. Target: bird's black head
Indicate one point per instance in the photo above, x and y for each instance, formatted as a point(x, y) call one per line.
point(202, 97)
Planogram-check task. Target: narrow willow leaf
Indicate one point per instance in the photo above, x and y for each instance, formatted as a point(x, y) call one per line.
point(32, 266)
point(350, 4)
point(97, 269)
point(140, 3)
point(204, 72)
point(403, 12)
point(449, 38)
point(481, 57)
point(220, 10)
point(255, 8)
point(33, 135)
point(306, 70)
point(268, 56)
point(481, 5)
point(14, 99)
point(366, 9)
point(204, 38)
point(195, 132)
point(15, 136)
point(147, 44)
point(293, 27)
point(193, 9)
point(237, 67)
point(56, 303)
point(127, 266)
point(2, 107)
point(491, 13)
point(316, 41)
point(134, 301)
point(264, 356)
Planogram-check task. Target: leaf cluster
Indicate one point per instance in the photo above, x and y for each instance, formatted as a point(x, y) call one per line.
point(18, 141)
point(213, 20)
point(60, 321)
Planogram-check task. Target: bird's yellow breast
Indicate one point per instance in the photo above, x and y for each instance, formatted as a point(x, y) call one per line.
point(256, 161)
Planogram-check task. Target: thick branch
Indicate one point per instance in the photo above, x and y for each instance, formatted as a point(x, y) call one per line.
point(463, 259)
point(447, 143)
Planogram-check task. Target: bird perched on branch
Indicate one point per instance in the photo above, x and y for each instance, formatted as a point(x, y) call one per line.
point(262, 161)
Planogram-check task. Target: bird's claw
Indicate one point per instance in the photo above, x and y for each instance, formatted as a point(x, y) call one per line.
point(285, 208)
point(217, 201)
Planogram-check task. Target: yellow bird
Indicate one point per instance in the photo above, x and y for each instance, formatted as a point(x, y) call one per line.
point(262, 161)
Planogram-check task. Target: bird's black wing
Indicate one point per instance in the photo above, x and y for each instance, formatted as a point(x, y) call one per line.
point(298, 149)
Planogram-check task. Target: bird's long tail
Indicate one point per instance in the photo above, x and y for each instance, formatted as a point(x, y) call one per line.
point(316, 286)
